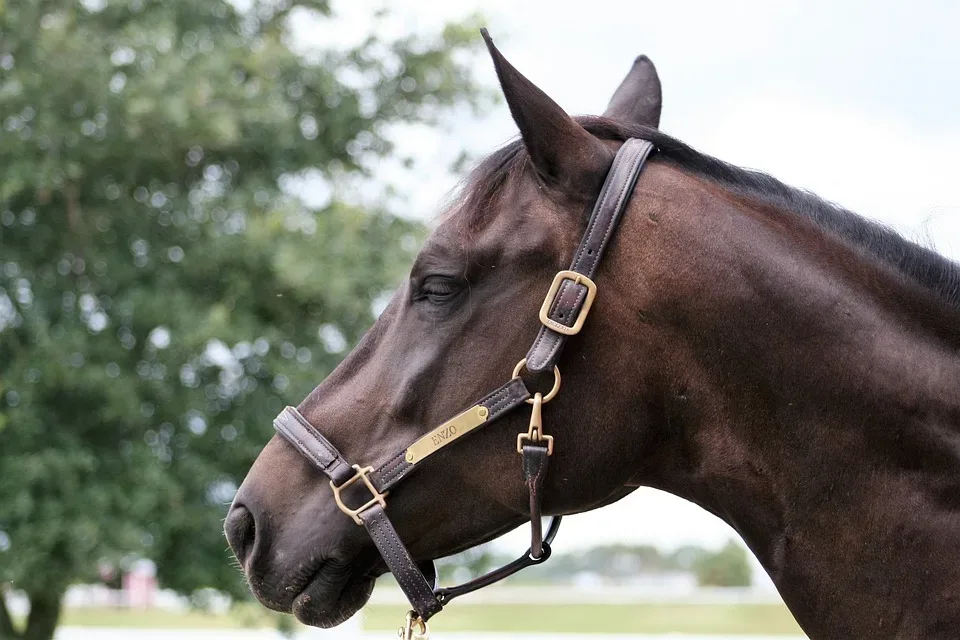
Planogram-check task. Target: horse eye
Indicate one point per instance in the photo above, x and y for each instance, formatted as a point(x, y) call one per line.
point(439, 288)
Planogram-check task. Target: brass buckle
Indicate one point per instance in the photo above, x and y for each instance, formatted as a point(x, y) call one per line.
point(535, 430)
point(362, 474)
point(577, 278)
point(414, 628)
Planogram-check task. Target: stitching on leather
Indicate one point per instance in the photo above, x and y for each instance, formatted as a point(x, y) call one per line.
point(639, 150)
point(550, 339)
point(493, 396)
point(555, 349)
point(386, 544)
point(495, 401)
point(391, 465)
point(553, 340)
point(636, 149)
point(406, 577)
point(535, 484)
point(593, 216)
point(581, 294)
point(538, 478)
point(624, 191)
point(301, 445)
point(397, 468)
point(395, 474)
point(532, 354)
point(508, 399)
point(329, 448)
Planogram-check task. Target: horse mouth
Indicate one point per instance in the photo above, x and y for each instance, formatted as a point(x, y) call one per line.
point(332, 596)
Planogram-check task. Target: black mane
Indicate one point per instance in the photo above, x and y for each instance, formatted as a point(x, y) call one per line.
point(926, 267)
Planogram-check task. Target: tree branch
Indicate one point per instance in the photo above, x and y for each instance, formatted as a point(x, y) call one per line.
point(73, 207)
point(7, 632)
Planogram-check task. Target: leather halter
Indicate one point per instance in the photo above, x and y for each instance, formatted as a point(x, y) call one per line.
point(562, 315)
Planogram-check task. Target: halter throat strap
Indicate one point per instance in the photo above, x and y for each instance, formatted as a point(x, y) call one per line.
point(564, 310)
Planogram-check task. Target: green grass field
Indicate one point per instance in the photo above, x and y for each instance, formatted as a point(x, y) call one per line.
point(246, 615)
point(772, 619)
point(600, 618)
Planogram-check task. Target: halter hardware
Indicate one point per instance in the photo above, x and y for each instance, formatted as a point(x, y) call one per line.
point(414, 628)
point(534, 432)
point(362, 473)
point(569, 299)
point(553, 390)
point(551, 299)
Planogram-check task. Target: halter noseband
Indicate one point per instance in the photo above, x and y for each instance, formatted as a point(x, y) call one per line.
point(562, 315)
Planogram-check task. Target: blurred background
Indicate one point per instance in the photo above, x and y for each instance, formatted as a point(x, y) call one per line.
point(203, 206)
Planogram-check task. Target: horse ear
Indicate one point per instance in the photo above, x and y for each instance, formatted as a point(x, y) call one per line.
point(565, 155)
point(638, 99)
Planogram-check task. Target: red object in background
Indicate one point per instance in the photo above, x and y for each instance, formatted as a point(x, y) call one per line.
point(140, 584)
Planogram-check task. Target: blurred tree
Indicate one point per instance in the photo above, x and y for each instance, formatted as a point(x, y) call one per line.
point(163, 290)
point(728, 567)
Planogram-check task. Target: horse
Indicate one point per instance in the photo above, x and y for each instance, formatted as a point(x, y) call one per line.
point(783, 363)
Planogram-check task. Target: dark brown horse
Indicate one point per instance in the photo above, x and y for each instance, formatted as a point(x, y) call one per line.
point(781, 362)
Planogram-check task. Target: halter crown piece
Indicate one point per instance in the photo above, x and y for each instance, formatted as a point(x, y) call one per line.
point(564, 310)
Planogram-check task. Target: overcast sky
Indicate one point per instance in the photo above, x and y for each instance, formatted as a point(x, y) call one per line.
point(858, 102)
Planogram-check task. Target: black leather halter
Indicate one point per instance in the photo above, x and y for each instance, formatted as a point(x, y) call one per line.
point(562, 315)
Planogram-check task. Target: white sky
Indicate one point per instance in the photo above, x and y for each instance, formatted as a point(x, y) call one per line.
point(856, 101)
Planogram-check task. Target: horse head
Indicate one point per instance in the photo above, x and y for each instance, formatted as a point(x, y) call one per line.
point(454, 329)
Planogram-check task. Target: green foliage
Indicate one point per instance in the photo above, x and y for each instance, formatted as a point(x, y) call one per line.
point(163, 293)
point(728, 567)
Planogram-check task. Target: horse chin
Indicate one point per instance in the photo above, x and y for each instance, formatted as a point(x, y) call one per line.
point(329, 600)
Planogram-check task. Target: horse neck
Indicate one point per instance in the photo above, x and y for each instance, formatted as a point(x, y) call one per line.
point(809, 399)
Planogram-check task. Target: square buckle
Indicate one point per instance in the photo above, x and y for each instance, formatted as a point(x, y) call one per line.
point(362, 474)
point(577, 278)
point(525, 437)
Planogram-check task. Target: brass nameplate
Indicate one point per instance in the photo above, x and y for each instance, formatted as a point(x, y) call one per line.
point(447, 432)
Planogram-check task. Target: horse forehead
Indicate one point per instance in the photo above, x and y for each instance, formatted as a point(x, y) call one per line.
point(443, 246)
point(521, 221)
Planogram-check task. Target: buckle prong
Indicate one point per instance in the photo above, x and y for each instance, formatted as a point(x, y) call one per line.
point(362, 473)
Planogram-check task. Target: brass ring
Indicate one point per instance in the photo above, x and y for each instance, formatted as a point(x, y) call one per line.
point(556, 381)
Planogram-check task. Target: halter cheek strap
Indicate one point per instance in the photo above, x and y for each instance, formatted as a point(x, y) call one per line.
point(562, 315)
point(573, 291)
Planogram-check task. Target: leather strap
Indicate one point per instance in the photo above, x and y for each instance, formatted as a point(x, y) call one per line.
point(446, 594)
point(617, 187)
point(411, 580)
point(311, 443)
point(535, 461)
point(503, 400)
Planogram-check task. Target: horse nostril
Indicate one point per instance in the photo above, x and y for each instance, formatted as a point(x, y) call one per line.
point(240, 528)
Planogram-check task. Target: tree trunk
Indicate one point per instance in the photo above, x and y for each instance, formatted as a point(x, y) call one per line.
point(44, 615)
point(7, 632)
